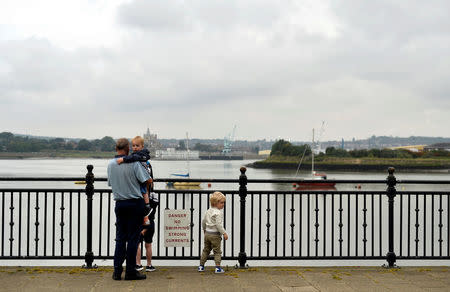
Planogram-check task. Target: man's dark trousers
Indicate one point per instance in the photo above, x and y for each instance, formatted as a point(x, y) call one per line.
point(129, 218)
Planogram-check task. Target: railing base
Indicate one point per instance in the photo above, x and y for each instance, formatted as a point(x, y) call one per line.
point(89, 267)
point(394, 266)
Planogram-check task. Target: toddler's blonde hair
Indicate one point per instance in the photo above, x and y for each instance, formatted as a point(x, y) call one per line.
point(139, 140)
point(216, 197)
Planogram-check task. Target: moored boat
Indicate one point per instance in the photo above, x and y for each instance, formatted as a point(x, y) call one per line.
point(317, 180)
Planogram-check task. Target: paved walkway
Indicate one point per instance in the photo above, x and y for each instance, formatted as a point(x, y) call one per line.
point(253, 279)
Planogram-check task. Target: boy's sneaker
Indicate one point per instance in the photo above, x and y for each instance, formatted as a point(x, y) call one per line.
point(219, 270)
point(139, 267)
point(150, 269)
point(201, 268)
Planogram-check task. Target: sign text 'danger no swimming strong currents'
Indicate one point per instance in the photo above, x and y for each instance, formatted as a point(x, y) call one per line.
point(177, 229)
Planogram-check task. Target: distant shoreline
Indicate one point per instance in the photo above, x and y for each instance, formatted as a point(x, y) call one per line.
point(356, 165)
point(85, 154)
point(59, 155)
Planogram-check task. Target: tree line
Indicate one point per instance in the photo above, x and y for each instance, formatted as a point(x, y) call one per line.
point(285, 148)
point(12, 143)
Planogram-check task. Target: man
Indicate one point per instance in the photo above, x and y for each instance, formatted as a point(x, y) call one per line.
point(125, 180)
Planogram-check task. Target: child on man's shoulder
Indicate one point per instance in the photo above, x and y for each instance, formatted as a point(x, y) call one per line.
point(140, 154)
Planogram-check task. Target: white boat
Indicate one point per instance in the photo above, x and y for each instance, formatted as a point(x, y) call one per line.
point(187, 175)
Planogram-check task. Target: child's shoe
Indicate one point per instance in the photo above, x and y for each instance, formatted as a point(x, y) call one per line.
point(139, 267)
point(219, 270)
point(201, 268)
point(150, 269)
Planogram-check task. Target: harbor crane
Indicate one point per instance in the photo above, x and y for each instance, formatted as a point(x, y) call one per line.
point(228, 142)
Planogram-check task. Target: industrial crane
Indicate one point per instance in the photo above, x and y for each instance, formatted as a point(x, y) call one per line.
point(228, 141)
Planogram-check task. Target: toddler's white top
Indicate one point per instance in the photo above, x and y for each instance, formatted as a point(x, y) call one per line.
point(213, 221)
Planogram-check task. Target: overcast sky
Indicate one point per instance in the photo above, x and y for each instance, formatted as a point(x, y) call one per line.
point(276, 69)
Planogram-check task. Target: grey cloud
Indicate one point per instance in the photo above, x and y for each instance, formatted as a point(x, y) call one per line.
point(176, 15)
point(155, 15)
point(394, 19)
point(246, 62)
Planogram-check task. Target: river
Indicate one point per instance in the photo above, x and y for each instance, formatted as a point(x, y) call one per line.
point(198, 169)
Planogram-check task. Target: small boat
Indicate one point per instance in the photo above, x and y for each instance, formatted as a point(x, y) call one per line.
point(183, 184)
point(319, 180)
point(187, 186)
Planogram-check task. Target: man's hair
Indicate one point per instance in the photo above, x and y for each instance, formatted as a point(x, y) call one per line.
point(139, 140)
point(122, 144)
point(216, 197)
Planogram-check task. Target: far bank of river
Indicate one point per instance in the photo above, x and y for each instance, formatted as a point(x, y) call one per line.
point(357, 164)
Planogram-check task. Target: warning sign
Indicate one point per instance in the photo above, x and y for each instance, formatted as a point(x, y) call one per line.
point(177, 229)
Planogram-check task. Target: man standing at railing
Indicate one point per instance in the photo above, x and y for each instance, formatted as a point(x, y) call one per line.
point(125, 180)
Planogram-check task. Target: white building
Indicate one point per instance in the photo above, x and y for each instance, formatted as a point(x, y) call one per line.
point(172, 154)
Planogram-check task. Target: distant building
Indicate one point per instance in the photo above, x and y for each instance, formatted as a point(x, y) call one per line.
point(151, 142)
point(412, 148)
point(438, 146)
point(172, 154)
point(264, 152)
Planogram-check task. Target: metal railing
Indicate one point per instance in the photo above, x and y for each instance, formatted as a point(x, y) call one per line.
point(46, 223)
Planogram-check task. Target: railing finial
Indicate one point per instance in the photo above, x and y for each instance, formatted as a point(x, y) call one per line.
point(243, 169)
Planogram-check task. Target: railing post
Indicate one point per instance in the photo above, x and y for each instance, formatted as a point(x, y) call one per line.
point(89, 255)
point(391, 193)
point(242, 194)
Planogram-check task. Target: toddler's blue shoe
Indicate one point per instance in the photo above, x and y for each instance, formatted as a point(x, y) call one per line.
point(201, 268)
point(219, 270)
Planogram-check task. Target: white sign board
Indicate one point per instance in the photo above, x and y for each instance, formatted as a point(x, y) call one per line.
point(177, 228)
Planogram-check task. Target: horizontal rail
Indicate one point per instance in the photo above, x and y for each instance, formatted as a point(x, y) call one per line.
point(43, 179)
point(232, 192)
point(216, 180)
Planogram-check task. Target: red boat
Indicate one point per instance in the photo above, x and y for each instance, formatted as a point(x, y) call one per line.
point(320, 182)
point(319, 179)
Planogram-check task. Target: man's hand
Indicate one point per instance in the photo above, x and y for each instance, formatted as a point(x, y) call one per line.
point(148, 209)
point(119, 160)
point(225, 236)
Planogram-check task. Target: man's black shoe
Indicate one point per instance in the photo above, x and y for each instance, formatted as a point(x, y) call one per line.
point(117, 276)
point(135, 276)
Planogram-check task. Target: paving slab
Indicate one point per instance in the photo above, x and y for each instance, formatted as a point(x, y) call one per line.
point(257, 279)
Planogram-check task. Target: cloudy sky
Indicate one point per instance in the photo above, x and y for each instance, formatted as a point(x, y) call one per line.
point(275, 68)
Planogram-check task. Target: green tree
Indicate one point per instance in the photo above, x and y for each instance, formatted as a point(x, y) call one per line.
point(84, 145)
point(336, 152)
point(285, 148)
point(107, 143)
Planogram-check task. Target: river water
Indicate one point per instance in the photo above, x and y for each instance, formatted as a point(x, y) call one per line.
point(225, 170)
point(198, 169)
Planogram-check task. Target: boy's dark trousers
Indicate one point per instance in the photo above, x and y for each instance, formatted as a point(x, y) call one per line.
point(129, 216)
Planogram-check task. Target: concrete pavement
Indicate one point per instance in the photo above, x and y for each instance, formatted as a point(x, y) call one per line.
point(253, 279)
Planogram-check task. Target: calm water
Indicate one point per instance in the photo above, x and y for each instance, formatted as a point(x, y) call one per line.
point(227, 169)
point(198, 169)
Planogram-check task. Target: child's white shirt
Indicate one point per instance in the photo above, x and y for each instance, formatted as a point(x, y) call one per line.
point(213, 221)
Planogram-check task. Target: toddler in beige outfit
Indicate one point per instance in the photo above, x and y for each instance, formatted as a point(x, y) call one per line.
point(212, 225)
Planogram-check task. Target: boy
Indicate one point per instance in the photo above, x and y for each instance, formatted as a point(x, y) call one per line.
point(212, 225)
point(142, 155)
point(147, 235)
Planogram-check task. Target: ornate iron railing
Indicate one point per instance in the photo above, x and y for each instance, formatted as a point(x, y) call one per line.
point(47, 223)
